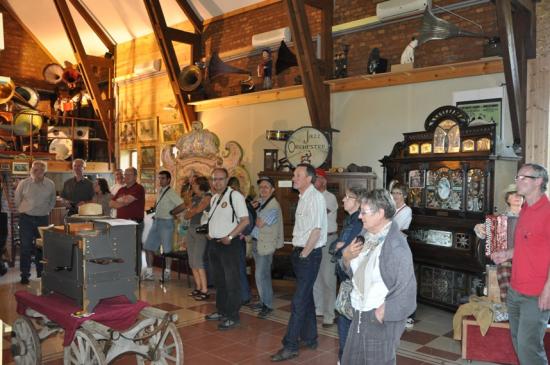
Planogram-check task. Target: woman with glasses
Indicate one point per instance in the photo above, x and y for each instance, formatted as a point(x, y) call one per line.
point(384, 285)
point(352, 227)
point(514, 201)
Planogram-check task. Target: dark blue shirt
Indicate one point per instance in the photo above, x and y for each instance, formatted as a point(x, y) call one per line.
point(352, 227)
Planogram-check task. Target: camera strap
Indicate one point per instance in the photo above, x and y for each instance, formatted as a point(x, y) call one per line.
point(218, 201)
point(162, 196)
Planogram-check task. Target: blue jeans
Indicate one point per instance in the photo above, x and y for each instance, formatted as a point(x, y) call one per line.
point(245, 288)
point(28, 231)
point(263, 277)
point(161, 233)
point(343, 329)
point(302, 325)
point(527, 327)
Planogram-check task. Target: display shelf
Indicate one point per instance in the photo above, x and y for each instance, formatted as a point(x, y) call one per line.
point(433, 73)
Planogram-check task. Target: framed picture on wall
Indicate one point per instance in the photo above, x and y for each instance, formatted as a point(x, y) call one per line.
point(483, 112)
point(147, 175)
point(169, 133)
point(148, 157)
point(147, 130)
point(5, 166)
point(127, 133)
point(20, 168)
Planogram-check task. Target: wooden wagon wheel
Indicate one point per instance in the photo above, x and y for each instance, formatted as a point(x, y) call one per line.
point(25, 344)
point(165, 347)
point(84, 350)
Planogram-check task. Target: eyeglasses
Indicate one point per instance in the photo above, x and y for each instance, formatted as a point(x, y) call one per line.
point(396, 193)
point(523, 177)
point(350, 197)
point(367, 211)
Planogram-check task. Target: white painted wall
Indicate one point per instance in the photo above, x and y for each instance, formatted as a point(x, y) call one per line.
point(370, 121)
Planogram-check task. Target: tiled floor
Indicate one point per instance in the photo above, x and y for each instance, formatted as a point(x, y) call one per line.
point(430, 342)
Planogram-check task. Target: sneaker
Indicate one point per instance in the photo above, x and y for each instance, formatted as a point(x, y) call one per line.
point(228, 324)
point(167, 274)
point(147, 275)
point(409, 324)
point(265, 312)
point(256, 306)
point(215, 317)
point(283, 355)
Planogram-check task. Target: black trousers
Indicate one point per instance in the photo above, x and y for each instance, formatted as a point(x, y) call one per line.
point(224, 263)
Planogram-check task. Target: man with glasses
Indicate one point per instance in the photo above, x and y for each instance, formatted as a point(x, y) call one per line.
point(528, 297)
point(34, 199)
point(129, 203)
point(228, 217)
point(308, 238)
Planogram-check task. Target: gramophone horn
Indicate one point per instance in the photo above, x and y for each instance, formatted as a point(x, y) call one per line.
point(285, 59)
point(7, 89)
point(70, 76)
point(216, 67)
point(53, 73)
point(190, 78)
point(26, 97)
point(435, 28)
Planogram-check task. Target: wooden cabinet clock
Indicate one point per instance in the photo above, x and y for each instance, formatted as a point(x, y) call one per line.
point(455, 177)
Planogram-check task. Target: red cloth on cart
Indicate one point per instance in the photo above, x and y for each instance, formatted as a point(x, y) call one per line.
point(117, 313)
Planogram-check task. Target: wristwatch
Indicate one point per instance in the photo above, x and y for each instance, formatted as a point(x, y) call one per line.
point(230, 237)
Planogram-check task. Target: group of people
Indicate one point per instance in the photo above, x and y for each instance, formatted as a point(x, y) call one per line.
point(370, 254)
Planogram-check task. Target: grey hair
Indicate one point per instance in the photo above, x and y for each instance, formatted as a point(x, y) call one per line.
point(79, 159)
point(541, 172)
point(380, 199)
point(358, 191)
point(38, 162)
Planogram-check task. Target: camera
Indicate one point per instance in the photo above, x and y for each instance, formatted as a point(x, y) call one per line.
point(202, 229)
point(150, 211)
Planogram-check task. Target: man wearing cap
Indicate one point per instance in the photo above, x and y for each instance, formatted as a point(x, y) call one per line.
point(529, 293)
point(267, 236)
point(308, 238)
point(324, 290)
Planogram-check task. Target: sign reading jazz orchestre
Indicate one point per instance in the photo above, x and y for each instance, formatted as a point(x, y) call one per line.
point(307, 145)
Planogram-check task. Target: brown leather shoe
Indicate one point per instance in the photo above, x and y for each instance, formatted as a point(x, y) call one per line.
point(283, 355)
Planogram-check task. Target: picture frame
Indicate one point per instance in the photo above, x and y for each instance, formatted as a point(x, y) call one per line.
point(127, 133)
point(5, 166)
point(147, 130)
point(147, 180)
point(20, 168)
point(170, 132)
point(483, 111)
point(417, 179)
point(270, 159)
point(147, 156)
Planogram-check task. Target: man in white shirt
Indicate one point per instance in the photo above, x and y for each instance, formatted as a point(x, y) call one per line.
point(35, 199)
point(228, 217)
point(162, 231)
point(308, 238)
point(324, 290)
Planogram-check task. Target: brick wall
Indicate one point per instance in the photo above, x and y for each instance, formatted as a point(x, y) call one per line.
point(543, 28)
point(236, 32)
point(22, 58)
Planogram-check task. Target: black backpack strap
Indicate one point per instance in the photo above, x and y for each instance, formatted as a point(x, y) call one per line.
point(232, 209)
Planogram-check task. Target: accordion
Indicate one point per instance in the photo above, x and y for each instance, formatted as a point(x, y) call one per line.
point(496, 230)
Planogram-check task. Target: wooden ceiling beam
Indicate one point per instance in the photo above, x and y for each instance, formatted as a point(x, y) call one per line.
point(98, 29)
point(191, 15)
point(164, 36)
point(102, 107)
point(316, 92)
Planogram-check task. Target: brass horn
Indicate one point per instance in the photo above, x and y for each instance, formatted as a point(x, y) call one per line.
point(7, 89)
point(436, 28)
point(190, 78)
point(26, 97)
point(53, 73)
point(285, 59)
point(216, 67)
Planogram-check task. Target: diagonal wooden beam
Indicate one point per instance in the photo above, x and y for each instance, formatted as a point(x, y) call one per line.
point(96, 27)
point(191, 15)
point(512, 27)
point(316, 92)
point(101, 107)
point(164, 36)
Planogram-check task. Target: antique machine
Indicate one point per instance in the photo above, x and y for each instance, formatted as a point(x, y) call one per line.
point(93, 263)
point(455, 174)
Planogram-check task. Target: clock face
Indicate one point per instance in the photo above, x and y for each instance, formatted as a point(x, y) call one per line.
point(307, 145)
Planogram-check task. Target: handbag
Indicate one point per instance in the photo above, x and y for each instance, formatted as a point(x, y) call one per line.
point(343, 300)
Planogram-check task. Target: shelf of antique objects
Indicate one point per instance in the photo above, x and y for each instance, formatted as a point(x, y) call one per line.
point(56, 166)
point(432, 73)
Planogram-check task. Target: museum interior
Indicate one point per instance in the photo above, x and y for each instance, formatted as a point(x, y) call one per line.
point(445, 99)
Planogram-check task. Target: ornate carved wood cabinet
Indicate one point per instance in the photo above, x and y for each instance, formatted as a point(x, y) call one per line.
point(455, 177)
point(336, 183)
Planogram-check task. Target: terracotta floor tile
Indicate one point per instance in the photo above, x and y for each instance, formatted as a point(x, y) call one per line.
point(210, 342)
point(205, 308)
point(327, 343)
point(263, 359)
point(263, 342)
point(323, 358)
point(205, 359)
point(169, 307)
point(401, 360)
point(418, 337)
point(189, 333)
point(440, 353)
point(235, 353)
point(190, 349)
